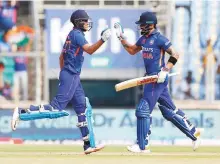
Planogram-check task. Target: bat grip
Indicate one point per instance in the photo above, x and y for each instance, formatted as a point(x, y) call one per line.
point(173, 74)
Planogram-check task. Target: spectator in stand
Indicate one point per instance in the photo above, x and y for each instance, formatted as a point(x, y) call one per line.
point(5, 86)
point(2, 66)
point(185, 90)
point(7, 91)
point(189, 81)
point(216, 47)
point(21, 75)
point(8, 15)
point(7, 22)
point(208, 51)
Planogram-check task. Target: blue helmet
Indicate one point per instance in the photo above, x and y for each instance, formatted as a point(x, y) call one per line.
point(147, 18)
point(79, 18)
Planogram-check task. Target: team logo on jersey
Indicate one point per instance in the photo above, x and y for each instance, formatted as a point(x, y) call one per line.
point(151, 42)
point(143, 41)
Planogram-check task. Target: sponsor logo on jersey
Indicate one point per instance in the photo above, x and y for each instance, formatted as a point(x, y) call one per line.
point(151, 42)
point(147, 49)
point(147, 55)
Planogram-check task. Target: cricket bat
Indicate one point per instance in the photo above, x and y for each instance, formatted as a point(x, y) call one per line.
point(139, 81)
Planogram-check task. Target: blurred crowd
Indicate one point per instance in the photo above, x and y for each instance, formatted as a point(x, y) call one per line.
point(13, 38)
point(188, 88)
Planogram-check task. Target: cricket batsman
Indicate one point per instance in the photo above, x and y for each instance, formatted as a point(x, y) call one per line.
point(69, 88)
point(154, 45)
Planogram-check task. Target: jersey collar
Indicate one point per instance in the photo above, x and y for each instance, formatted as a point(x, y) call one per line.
point(153, 32)
point(78, 29)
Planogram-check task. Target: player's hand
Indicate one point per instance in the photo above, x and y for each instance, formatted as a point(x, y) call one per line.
point(105, 34)
point(162, 75)
point(119, 31)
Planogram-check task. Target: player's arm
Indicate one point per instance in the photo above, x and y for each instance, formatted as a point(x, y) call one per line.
point(90, 49)
point(131, 49)
point(174, 56)
point(166, 45)
point(61, 59)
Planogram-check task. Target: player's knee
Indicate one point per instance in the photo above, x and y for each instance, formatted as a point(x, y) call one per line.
point(166, 112)
point(80, 107)
point(167, 102)
point(170, 106)
point(143, 110)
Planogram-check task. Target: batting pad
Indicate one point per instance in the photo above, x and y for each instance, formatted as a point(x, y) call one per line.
point(89, 118)
point(38, 115)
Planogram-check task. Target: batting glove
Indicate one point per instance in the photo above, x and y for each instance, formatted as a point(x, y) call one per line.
point(119, 31)
point(105, 34)
point(163, 75)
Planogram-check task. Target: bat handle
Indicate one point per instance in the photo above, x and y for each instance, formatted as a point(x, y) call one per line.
point(173, 74)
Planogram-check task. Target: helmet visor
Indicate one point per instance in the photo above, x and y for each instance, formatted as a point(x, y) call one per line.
point(84, 24)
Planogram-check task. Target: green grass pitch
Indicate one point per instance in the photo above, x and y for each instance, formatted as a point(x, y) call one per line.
point(61, 154)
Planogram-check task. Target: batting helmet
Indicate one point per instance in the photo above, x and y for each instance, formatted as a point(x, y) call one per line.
point(79, 18)
point(147, 18)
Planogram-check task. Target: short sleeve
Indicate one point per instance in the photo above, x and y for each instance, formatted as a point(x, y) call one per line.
point(164, 43)
point(139, 42)
point(80, 39)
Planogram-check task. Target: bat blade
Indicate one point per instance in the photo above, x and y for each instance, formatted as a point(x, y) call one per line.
point(139, 81)
point(135, 82)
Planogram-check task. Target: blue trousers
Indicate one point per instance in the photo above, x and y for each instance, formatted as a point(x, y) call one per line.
point(69, 90)
point(154, 91)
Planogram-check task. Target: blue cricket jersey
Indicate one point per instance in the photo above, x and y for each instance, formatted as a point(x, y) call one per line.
point(73, 51)
point(153, 50)
point(20, 63)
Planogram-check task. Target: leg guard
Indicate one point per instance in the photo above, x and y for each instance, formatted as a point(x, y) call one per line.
point(143, 123)
point(41, 112)
point(149, 133)
point(182, 114)
point(90, 121)
point(165, 100)
point(82, 125)
point(179, 121)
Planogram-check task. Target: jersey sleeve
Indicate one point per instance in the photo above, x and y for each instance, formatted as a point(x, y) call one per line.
point(164, 43)
point(80, 39)
point(138, 43)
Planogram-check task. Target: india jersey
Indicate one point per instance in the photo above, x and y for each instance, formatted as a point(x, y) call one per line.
point(153, 51)
point(73, 51)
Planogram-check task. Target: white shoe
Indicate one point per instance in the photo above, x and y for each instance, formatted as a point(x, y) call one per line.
point(99, 147)
point(89, 150)
point(197, 143)
point(135, 149)
point(92, 150)
point(15, 119)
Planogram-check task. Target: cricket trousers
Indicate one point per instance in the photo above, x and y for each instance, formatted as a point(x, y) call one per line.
point(154, 91)
point(70, 90)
